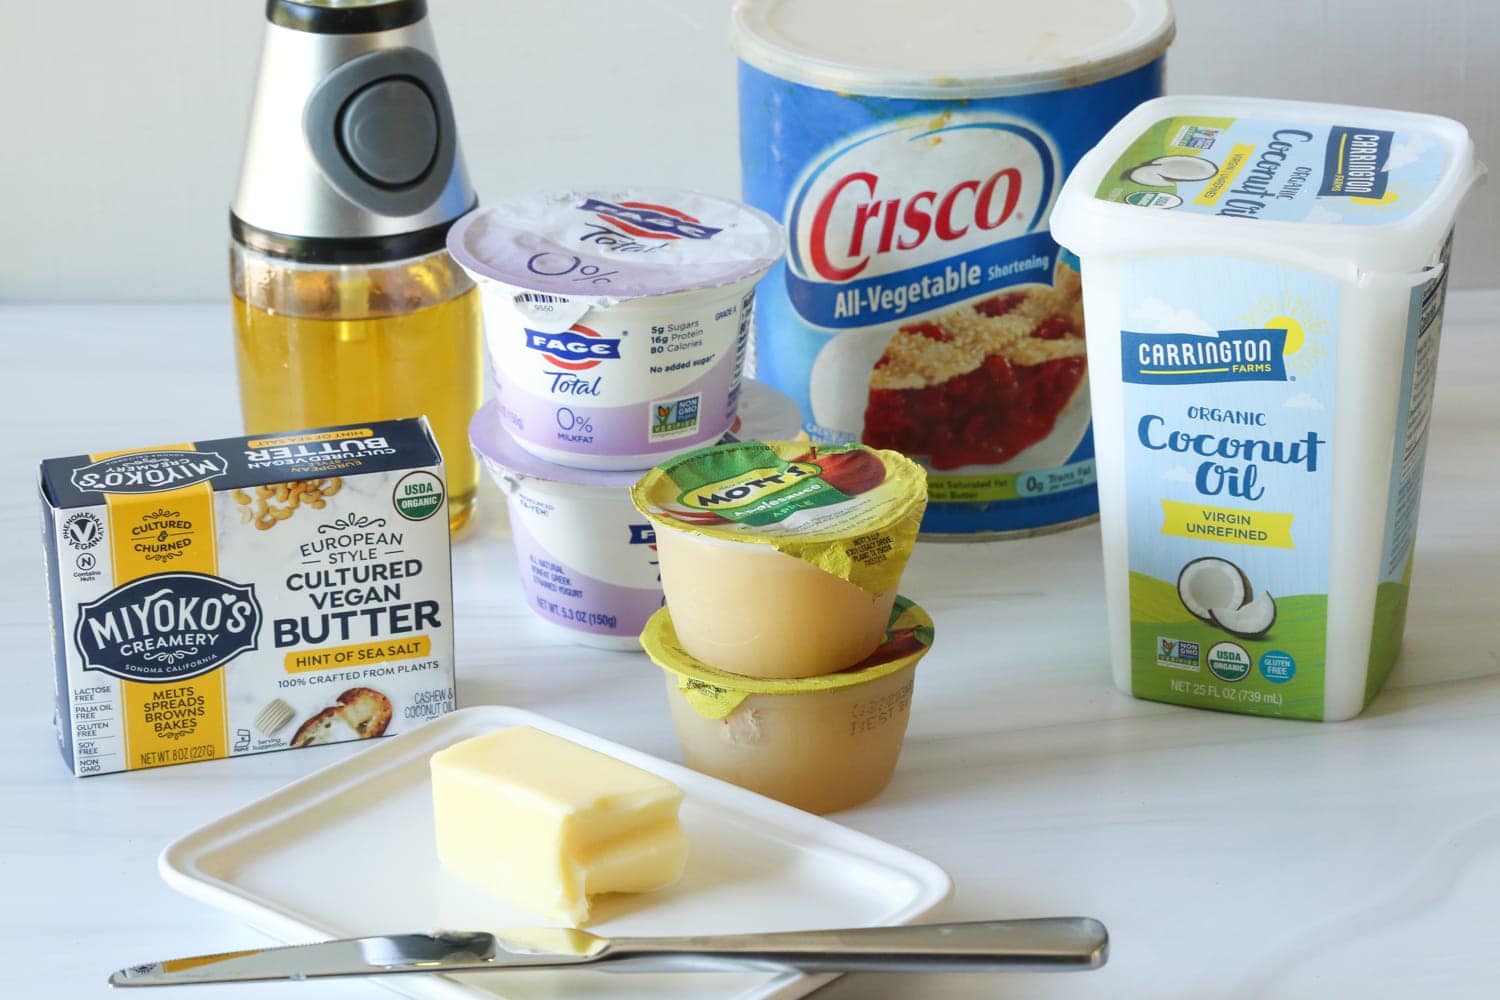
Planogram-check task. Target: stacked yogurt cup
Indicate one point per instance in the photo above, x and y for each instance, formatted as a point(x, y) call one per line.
point(788, 654)
point(617, 321)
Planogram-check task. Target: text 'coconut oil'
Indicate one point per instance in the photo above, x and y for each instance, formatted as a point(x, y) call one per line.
point(1264, 286)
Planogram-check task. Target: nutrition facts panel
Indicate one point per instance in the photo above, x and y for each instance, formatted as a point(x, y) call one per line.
point(1418, 383)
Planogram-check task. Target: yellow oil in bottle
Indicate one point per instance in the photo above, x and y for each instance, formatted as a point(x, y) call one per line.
point(343, 345)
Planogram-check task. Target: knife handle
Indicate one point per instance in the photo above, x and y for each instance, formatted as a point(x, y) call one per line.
point(1060, 944)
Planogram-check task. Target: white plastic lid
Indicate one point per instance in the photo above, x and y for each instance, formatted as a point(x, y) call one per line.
point(1348, 191)
point(608, 245)
point(949, 48)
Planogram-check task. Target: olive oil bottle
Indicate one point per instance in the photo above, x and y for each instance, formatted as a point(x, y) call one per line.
point(347, 308)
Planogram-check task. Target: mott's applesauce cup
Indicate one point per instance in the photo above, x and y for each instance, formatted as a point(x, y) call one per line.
point(617, 320)
point(913, 151)
point(746, 531)
point(818, 743)
point(1265, 296)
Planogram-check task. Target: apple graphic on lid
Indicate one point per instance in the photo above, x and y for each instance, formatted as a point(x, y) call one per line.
point(851, 472)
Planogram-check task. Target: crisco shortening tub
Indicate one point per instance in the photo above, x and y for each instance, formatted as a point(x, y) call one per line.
point(617, 320)
point(1264, 299)
point(913, 152)
point(587, 559)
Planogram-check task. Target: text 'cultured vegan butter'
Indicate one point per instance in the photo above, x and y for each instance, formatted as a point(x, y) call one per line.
point(242, 595)
point(750, 529)
point(547, 824)
point(1265, 297)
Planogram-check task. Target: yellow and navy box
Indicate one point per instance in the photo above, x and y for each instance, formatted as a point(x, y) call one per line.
point(237, 596)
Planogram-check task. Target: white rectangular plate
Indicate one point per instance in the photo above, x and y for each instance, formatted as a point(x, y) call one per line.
point(349, 851)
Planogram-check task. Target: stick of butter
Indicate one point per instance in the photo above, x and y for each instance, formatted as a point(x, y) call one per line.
point(546, 823)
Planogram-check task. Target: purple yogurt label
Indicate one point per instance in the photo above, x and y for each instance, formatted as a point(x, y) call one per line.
point(627, 381)
point(559, 590)
point(617, 320)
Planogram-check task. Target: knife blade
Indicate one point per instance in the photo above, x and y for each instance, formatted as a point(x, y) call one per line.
point(1043, 944)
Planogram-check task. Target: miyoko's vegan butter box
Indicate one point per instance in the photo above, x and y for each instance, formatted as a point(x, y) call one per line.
point(243, 595)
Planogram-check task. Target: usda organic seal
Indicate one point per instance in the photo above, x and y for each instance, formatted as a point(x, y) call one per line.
point(418, 496)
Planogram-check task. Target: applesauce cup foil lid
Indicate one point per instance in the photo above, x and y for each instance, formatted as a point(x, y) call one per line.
point(715, 693)
point(849, 510)
point(562, 253)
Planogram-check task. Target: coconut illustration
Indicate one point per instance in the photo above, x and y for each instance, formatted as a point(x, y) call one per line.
point(1210, 583)
point(1218, 592)
point(1251, 620)
point(1166, 170)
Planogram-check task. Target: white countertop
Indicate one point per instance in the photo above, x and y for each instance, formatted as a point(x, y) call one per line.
point(1229, 856)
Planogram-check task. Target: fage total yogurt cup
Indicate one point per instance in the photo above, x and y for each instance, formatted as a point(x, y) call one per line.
point(1265, 298)
point(913, 150)
point(617, 320)
point(587, 558)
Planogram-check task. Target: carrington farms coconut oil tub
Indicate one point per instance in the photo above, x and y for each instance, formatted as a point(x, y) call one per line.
point(1264, 301)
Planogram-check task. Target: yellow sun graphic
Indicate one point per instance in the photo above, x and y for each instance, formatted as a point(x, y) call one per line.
point(1295, 335)
point(1389, 198)
point(1306, 332)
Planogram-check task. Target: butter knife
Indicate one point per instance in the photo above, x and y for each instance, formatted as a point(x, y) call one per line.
point(1053, 943)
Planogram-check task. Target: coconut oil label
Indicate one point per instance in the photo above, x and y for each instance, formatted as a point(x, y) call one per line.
point(1227, 371)
point(1346, 174)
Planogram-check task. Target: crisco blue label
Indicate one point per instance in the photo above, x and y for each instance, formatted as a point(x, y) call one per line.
point(167, 627)
point(881, 228)
point(148, 471)
point(923, 305)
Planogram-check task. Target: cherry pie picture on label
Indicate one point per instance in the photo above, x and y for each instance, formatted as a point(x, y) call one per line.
point(981, 382)
point(923, 306)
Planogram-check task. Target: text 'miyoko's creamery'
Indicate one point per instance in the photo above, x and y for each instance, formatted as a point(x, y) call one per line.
point(228, 597)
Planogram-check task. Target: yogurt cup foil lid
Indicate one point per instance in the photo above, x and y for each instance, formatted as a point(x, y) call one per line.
point(715, 693)
point(847, 509)
point(764, 412)
point(608, 245)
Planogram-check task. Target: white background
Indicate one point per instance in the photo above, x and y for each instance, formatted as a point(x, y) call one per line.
point(122, 122)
